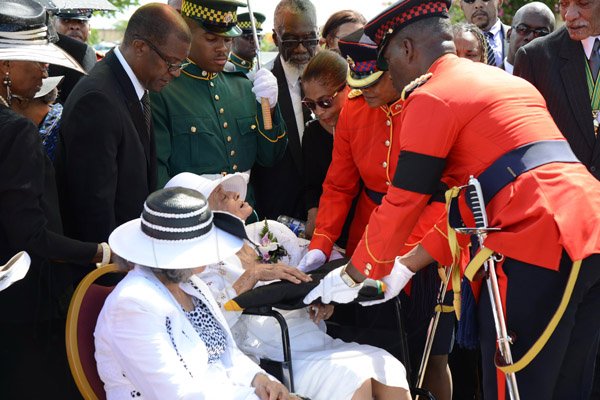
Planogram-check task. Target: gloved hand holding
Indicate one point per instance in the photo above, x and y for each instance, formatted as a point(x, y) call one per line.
point(265, 86)
point(333, 288)
point(394, 282)
point(312, 260)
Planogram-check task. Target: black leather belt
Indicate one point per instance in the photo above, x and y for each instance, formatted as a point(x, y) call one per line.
point(520, 160)
point(377, 197)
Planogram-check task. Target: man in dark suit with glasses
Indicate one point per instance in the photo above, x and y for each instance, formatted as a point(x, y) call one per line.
point(296, 36)
point(530, 22)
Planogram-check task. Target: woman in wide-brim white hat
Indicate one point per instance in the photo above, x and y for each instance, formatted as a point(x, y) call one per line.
point(320, 361)
point(33, 308)
point(160, 333)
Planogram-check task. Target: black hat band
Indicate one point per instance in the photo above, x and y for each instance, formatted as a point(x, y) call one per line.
point(176, 226)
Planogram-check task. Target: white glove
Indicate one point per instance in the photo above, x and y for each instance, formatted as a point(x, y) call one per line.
point(394, 282)
point(333, 288)
point(265, 86)
point(312, 260)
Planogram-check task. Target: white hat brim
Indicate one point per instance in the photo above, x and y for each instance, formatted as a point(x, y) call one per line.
point(43, 53)
point(48, 84)
point(237, 182)
point(129, 242)
point(14, 270)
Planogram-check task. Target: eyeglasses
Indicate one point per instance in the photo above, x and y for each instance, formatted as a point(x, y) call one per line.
point(170, 66)
point(473, 1)
point(525, 30)
point(293, 43)
point(250, 37)
point(324, 103)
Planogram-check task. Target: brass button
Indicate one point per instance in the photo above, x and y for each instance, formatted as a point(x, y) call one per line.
point(217, 97)
point(211, 84)
point(225, 124)
point(369, 266)
point(387, 143)
point(234, 167)
point(232, 153)
point(367, 272)
point(193, 129)
point(204, 73)
point(221, 111)
point(388, 183)
point(390, 30)
point(388, 122)
point(223, 173)
point(243, 62)
point(253, 127)
point(384, 164)
point(229, 138)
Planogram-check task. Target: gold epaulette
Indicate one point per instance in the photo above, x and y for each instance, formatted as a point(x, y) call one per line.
point(354, 93)
point(408, 89)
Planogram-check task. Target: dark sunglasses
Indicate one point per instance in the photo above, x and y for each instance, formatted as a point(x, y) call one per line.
point(170, 66)
point(473, 1)
point(293, 43)
point(525, 30)
point(324, 103)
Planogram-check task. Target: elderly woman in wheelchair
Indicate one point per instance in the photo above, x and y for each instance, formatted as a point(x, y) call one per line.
point(324, 367)
point(160, 334)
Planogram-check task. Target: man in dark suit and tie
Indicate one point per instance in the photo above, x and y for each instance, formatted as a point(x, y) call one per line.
point(531, 21)
point(279, 189)
point(569, 82)
point(106, 161)
point(561, 66)
point(484, 14)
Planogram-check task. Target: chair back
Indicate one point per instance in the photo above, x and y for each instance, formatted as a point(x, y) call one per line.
point(84, 309)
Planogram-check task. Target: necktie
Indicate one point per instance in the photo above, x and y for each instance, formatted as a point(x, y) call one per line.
point(595, 59)
point(491, 57)
point(147, 110)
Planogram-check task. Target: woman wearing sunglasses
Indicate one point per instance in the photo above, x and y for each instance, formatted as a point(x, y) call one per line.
point(325, 93)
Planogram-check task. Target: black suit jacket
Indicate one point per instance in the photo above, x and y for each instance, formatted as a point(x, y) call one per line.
point(30, 220)
point(106, 158)
point(555, 65)
point(279, 190)
point(84, 54)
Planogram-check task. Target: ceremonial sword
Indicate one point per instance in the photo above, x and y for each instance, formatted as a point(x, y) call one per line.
point(474, 197)
point(264, 103)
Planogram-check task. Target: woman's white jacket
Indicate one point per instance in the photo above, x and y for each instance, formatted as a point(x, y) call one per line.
point(146, 348)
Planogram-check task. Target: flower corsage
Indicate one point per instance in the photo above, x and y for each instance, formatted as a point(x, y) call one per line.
point(269, 249)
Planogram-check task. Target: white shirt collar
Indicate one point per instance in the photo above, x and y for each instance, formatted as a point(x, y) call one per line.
point(139, 88)
point(292, 74)
point(588, 44)
point(508, 67)
point(496, 27)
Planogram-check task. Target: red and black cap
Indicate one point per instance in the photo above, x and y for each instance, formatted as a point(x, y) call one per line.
point(361, 53)
point(401, 14)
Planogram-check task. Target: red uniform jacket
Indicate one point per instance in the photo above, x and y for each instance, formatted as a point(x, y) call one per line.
point(365, 147)
point(449, 134)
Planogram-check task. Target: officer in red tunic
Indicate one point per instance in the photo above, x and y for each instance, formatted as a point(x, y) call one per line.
point(366, 149)
point(461, 119)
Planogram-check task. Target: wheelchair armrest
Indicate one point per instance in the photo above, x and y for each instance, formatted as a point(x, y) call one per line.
point(288, 377)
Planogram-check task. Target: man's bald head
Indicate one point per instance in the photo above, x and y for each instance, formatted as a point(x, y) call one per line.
point(531, 21)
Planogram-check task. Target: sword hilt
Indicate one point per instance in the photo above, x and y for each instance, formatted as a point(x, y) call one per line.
point(474, 197)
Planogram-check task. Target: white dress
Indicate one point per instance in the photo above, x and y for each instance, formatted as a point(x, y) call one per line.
point(324, 368)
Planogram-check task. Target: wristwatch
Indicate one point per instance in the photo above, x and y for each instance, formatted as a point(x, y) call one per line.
point(347, 278)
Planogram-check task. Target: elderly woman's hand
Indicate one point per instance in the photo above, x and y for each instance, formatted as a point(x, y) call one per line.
point(269, 272)
point(320, 312)
point(266, 389)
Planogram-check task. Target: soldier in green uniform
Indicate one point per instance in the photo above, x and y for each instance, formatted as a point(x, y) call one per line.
point(208, 121)
point(243, 50)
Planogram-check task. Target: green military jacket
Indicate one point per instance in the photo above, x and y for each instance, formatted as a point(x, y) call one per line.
point(211, 123)
point(238, 64)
